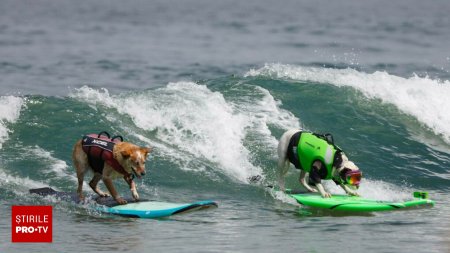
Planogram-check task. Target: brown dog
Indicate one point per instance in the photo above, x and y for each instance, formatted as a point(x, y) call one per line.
point(109, 158)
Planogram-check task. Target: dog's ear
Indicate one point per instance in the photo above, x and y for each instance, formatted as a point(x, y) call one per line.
point(338, 159)
point(146, 151)
point(125, 153)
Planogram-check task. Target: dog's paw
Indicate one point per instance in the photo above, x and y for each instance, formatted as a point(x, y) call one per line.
point(121, 201)
point(135, 195)
point(326, 195)
point(312, 190)
point(353, 194)
point(81, 198)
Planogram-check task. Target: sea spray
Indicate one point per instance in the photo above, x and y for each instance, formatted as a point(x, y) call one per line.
point(10, 108)
point(422, 97)
point(204, 124)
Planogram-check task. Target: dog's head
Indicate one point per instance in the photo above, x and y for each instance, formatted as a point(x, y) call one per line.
point(134, 158)
point(346, 171)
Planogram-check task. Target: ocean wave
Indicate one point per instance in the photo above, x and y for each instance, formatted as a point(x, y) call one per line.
point(56, 166)
point(10, 108)
point(421, 97)
point(201, 123)
point(20, 185)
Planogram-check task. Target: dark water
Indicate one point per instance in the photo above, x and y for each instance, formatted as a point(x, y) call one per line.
point(212, 85)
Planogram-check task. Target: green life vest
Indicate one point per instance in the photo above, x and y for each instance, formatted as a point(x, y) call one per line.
point(311, 148)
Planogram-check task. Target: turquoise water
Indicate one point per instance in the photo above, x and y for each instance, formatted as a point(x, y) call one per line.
point(212, 92)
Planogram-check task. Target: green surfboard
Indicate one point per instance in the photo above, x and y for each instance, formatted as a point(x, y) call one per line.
point(358, 204)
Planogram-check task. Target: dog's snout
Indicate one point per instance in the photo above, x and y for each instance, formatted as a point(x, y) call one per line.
point(143, 173)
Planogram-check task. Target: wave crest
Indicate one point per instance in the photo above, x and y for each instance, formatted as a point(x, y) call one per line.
point(421, 97)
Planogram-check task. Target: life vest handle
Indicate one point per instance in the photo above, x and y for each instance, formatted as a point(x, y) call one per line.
point(117, 136)
point(105, 133)
point(329, 138)
point(326, 137)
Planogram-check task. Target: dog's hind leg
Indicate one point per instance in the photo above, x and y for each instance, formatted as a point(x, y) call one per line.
point(80, 186)
point(80, 175)
point(283, 168)
point(94, 185)
point(79, 159)
point(283, 161)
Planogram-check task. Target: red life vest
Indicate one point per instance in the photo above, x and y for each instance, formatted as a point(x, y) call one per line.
point(99, 149)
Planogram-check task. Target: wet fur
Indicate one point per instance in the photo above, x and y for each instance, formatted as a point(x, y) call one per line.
point(128, 155)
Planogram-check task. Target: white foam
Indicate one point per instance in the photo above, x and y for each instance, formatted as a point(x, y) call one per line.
point(10, 107)
point(199, 123)
point(262, 110)
point(369, 189)
point(21, 185)
point(166, 151)
point(283, 197)
point(57, 166)
point(424, 98)
point(374, 189)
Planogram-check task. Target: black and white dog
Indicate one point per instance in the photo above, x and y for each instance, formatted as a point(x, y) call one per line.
point(342, 171)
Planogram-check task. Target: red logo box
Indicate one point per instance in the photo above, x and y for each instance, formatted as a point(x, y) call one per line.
point(31, 224)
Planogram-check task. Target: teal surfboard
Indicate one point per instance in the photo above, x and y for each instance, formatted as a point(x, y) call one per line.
point(357, 204)
point(140, 209)
point(155, 209)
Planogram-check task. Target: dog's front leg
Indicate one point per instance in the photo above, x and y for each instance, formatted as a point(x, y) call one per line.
point(94, 185)
point(133, 189)
point(322, 191)
point(134, 192)
point(109, 184)
point(303, 182)
point(348, 190)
